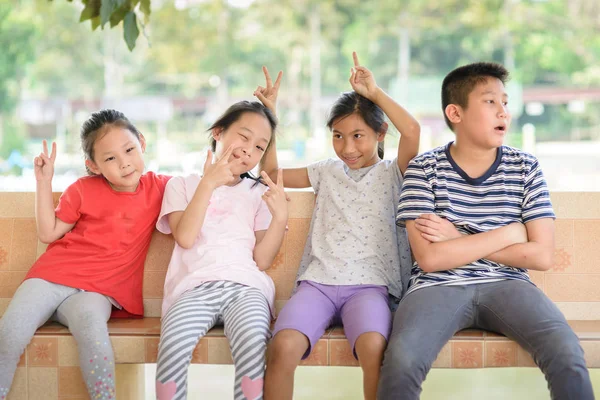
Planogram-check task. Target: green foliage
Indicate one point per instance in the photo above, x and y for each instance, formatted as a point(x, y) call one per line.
point(101, 12)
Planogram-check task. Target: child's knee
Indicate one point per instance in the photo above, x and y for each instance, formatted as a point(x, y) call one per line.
point(288, 347)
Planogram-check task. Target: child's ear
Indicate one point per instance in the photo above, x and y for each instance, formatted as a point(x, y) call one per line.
point(92, 167)
point(453, 113)
point(142, 142)
point(216, 133)
point(382, 131)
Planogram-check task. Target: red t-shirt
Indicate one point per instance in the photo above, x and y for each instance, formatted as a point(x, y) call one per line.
point(106, 249)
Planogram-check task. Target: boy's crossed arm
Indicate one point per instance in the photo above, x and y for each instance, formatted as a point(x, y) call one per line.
point(438, 246)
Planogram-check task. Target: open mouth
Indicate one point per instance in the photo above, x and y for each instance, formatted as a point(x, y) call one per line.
point(500, 128)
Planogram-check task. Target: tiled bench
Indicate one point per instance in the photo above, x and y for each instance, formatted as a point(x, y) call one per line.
point(49, 368)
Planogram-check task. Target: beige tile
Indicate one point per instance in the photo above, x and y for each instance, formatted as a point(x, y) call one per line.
point(23, 250)
point(469, 333)
point(17, 204)
point(592, 353)
point(154, 282)
point(319, 356)
point(340, 353)
point(500, 353)
point(200, 354)
point(43, 352)
point(152, 307)
point(41, 249)
point(538, 278)
point(302, 204)
point(444, 358)
point(570, 287)
point(564, 232)
point(129, 349)
point(10, 281)
point(42, 383)
point(6, 229)
point(285, 282)
point(70, 382)
point(279, 261)
point(587, 243)
point(524, 359)
point(467, 354)
point(576, 205)
point(218, 351)
point(159, 254)
point(563, 261)
point(295, 241)
point(18, 389)
point(67, 352)
point(151, 350)
point(580, 310)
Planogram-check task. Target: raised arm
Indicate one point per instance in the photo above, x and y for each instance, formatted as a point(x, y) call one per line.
point(292, 178)
point(49, 227)
point(363, 83)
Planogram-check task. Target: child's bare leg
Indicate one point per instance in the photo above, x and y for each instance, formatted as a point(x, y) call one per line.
point(369, 348)
point(283, 356)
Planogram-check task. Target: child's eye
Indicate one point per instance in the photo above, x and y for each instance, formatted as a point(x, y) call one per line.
point(490, 101)
point(109, 159)
point(243, 137)
point(358, 136)
point(260, 148)
point(505, 103)
point(337, 136)
point(130, 149)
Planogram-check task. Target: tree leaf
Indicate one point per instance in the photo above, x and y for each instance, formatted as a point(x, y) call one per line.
point(91, 10)
point(130, 30)
point(106, 10)
point(95, 22)
point(118, 15)
point(145, 7)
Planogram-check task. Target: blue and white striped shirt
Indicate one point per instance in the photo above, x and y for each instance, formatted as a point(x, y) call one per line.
point(512, 190)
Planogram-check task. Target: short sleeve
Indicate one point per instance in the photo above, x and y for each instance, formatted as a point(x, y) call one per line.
point(417, 195)
point(262, 218)
point(174, 200)
point(536, 199)
point(69, 204)
point(315, 173)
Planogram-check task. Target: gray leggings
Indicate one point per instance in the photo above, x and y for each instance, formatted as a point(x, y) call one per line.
point(84, 313)
point(427, 318)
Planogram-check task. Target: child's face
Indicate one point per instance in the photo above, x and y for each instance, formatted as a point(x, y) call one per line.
point(249, 136)
point(118, 157)
point(355, 142)
point(486, 119)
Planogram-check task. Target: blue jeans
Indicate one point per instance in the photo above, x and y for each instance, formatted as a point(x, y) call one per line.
point(427, 318)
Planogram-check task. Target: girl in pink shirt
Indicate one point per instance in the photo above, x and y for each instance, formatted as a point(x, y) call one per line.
point(228, 228)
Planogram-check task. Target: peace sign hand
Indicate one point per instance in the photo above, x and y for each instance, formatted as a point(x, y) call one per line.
point(219, 173)
point(276, 197)
point(268, 95)
point(43, 165)
point(362, 80)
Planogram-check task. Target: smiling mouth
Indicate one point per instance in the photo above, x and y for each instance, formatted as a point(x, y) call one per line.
point(351, 160)
point(128, 175)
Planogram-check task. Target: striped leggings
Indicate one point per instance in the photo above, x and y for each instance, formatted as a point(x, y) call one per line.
point(246, 318)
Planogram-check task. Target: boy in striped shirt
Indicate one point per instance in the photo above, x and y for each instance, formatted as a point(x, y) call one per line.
point(478, 216)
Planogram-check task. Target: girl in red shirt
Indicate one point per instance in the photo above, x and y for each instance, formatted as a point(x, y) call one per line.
point(98, 238)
